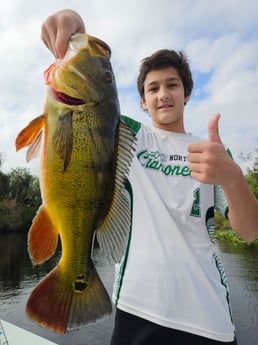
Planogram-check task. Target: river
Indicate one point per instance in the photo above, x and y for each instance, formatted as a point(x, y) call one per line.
point(18, 277)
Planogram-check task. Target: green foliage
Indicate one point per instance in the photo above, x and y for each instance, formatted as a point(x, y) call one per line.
point(221, 223)
point(3, 185)
point(252, 178)
point(252, 173)
point(233, 238)
point(223, 230)
point(19, 199)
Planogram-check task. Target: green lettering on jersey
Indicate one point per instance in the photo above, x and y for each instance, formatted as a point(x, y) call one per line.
point(152, 161)
point(196, 209)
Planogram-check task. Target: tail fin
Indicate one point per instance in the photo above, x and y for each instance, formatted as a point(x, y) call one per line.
point(54, 304)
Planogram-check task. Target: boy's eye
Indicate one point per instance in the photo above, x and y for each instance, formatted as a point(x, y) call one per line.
point(154, 88)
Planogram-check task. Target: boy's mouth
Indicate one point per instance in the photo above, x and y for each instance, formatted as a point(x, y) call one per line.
point(165, 106)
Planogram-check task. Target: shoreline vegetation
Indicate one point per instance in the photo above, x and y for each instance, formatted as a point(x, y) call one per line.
point(224, 232)
point(231, 237)
point(20, 199)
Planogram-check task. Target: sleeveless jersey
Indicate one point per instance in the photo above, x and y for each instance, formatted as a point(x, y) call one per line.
point(170, 274)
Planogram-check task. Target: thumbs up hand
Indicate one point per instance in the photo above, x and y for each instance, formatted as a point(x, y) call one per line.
point(209, 161)
point(213, 129)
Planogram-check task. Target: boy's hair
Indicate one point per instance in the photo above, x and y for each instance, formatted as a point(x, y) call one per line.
point(162, 59)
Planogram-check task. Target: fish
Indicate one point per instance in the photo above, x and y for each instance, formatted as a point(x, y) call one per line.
point(85, 153)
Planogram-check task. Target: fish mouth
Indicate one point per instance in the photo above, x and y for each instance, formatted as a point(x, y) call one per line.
point(66, 99)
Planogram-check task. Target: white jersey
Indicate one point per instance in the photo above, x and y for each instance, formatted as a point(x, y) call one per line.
point(170, 274)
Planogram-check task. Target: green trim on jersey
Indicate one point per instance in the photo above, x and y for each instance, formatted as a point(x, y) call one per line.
point(229, 153)
point(134, 125)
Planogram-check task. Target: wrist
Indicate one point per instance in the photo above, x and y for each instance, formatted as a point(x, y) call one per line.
point(234, 180)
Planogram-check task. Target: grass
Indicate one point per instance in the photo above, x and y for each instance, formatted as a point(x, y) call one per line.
point(232, 237)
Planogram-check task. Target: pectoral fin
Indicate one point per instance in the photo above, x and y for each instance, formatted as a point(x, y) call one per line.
point(113, 233)
point(42, 237)
point(63, 137)
point(31, 136)
point(27, 136)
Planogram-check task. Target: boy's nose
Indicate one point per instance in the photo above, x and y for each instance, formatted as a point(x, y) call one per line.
point(163, 95)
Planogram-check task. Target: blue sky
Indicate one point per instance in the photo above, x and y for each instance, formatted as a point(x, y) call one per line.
point(220, 39)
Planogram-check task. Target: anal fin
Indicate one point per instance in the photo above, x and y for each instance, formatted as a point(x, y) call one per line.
point(42, 237)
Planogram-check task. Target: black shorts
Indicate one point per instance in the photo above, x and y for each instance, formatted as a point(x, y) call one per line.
point(133, 330)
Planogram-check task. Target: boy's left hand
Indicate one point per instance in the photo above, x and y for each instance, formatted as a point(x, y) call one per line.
point(209, 161)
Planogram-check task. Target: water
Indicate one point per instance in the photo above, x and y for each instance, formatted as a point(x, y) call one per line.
point(18, 277)
point(241, 266)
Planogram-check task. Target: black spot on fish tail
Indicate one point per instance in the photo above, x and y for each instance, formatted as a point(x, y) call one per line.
point(80, 284)
point(63, 137)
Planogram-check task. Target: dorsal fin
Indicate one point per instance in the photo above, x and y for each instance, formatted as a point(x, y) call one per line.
point(113, 233)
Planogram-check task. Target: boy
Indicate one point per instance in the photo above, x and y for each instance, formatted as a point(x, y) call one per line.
point(170, 287)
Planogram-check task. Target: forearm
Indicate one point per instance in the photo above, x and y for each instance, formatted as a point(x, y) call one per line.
point(243, 207)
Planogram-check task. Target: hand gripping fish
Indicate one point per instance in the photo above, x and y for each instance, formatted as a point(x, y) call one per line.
point(85, 152)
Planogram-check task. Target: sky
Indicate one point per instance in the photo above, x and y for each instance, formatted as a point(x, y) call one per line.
point(220, 39)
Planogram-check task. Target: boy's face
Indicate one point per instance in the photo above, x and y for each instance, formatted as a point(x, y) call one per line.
point(164, 99)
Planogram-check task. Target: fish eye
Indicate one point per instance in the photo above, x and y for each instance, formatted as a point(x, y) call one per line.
point(108, 75)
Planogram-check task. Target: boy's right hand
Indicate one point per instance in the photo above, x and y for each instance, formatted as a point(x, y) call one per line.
point(58, 28)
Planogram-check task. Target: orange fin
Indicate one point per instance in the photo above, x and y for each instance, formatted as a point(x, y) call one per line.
point(54, 305)
point(92, 305)
point(49, 303)
point(27, 136)
point(42, 237)
point(34, 148)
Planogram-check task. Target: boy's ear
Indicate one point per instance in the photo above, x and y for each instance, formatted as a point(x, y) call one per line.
point(143, 104)
point(187, 99)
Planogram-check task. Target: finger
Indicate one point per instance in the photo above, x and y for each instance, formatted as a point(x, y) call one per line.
point(198, 176)
point(48, 36)
point(61, 43)
point(197, 147)
point(195, 167)
point(195, 157)
point(62, 38)
point(45, 36)
point(213, 129)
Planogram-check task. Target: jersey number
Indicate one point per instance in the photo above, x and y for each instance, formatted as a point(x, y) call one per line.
point(196, 209)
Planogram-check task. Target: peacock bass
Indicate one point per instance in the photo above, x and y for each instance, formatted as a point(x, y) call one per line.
point(85, 152)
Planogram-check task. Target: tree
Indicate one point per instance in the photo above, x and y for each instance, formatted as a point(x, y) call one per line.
point(252, 176)
point(19, 199)
point(3, 186)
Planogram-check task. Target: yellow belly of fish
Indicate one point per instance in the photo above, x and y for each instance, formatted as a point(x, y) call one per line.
point(78, 197)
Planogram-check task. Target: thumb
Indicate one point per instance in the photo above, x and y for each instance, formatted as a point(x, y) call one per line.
point(213, 129)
